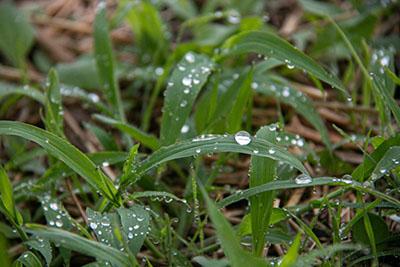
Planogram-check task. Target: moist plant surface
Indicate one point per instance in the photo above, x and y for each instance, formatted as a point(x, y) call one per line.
point(199, 133)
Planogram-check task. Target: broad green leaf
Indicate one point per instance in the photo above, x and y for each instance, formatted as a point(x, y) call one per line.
point(79, 244)
point(135, 224)
point(214, 144)
point(105, 61)
point(300, 102)
point(16, 34)
point(262, 170)
point(65, 152)
point(103, 226)
point(389, 161)
point(145, 139)
point(55, 213)
point(229, 241)
point(379, 226)
point(7, 198)
point(54, 111)
point(43, 246)
point(184, 85)
point(28, 259)
point(292, 254)
point(271, 45)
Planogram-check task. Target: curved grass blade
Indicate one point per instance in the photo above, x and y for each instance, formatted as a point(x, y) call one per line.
point(7, 198)
point(43, 246)
point(65, 152)
point(288, 184)
point(273, 46)
point(167, 197)
point(105, 61)
point(389, 161)
point(146, 139)
point(11, 89)
point(292, 254)
point(80, 244)
point(213, 144)
point(229, 241)
point(300, 102)
point(185, 83)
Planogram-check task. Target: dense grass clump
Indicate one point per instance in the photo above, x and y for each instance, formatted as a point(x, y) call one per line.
point(199, 133)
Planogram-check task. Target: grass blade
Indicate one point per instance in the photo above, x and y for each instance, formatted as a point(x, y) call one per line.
point(105, 61)
point(214, 144)
point(65, 152)
point(54, 113)
point(185, 83)
point(80, 244)
point(262, 170)
point(271, 45)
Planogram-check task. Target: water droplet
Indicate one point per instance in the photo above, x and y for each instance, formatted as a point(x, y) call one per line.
point(186, 91)
point(185, 129)
point(198, 150)
point(93, 225)
point(183, 104)
point(271, 151)
point(189, 57)
point(94, 97)
point(187, 81)
point(54, 206)
point(105, 164)
point(243, 138)
point(136, 227)
point(289, 64)
point(159, 71)
point(286, 92)
point(303, 179)
point(254, 85)
point(255, 151)
point(234, 17)
point(59, 223)
point(130, 235)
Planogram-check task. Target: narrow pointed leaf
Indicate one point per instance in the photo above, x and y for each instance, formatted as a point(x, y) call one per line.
point(185, 83)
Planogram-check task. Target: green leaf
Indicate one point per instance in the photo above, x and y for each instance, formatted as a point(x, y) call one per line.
point(145, 139)
point(213, 144)
point(135, 224)
point(378, 225)
point(11, 89)
point(389, 161)
point(43, 246)
point(262, 170)
point(16, 34)
point(290, 257)
point(320, 8)
point(29, 259)
point(105, 61)
point(103, 226)
point(81, 73)
point(229, 241)
point(55, 213)
point(65, 152)
point(271, 45)
point(300, 102)
point(79, 244)
point(185, 83)
point(7, 198)
point(54, 111)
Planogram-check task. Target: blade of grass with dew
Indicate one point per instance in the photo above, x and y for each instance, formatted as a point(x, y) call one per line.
point(273, 46)
point(213, 144)
point(299, 101)
point(389, 161)
point(320, 8)
point(145, 139)
point(53, 118)
point(105, 61)
point(365, 169)
point(80, 244)
point(28, 259)
point(43, 246)
point(262, 170)
point(17, 35)
point(55, 213)
point(65, 152)
point(374, 81)
point(11, 89)
point(229, 241)
point(185, 83)
point(135, 223)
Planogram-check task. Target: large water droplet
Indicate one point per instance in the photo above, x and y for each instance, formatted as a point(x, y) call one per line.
point(187, 81)
point(189, 57)
point(243, 138)
point(303, 179)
